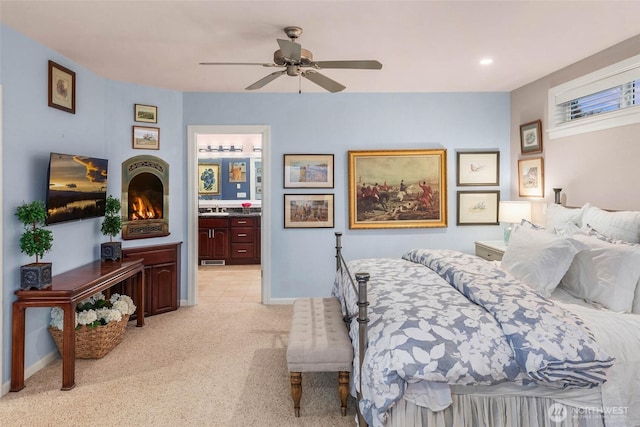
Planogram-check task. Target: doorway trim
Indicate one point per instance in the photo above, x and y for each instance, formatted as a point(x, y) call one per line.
point(192, 211)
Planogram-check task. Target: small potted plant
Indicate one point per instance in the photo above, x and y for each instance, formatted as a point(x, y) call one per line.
point(111, 226)
point(35, 240)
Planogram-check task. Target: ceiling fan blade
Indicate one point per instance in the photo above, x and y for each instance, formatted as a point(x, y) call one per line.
point(323, 81)
point(268, 79)
point(290, 50)
point(360, 65)
point(240, 63)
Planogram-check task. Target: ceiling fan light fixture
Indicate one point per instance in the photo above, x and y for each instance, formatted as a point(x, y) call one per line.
point(295, 60)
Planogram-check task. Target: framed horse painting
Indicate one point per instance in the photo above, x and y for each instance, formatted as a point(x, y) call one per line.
point(398, 188)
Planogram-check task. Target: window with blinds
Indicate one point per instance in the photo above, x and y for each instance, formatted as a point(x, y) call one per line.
point(604, 99)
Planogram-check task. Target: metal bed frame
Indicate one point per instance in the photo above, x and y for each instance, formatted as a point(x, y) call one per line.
point(363, 320)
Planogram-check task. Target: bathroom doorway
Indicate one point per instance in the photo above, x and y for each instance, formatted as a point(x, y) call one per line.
point(258, 187)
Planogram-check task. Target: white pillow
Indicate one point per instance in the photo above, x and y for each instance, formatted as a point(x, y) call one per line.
point(538, 258)
point(607, 274)
point(623, 225)
point(558, 216)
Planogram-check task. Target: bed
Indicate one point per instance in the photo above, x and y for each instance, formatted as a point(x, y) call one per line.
point(550, 336)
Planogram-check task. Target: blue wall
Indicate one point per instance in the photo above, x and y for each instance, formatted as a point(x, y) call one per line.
point(101, 127)
point(302, 260)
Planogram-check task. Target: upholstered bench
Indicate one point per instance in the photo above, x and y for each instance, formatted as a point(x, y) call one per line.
point(318, 342)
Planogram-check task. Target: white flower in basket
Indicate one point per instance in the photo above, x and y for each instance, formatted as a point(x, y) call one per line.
point(96, 311)
point(99, 324)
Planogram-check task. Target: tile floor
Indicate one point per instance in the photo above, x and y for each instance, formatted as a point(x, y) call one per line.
point(229, 283)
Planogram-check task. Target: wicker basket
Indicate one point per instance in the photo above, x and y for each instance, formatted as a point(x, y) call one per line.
point(94, 343)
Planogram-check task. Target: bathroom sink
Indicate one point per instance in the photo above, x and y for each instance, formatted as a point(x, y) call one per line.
point(214, 214)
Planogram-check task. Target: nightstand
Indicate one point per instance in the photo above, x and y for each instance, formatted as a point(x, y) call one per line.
point(491, 250)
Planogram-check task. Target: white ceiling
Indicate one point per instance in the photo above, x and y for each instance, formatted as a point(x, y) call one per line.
point(424, 46)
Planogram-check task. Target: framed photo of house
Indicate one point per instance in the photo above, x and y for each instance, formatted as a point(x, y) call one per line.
point(62, 88)
point(478, 168)
point(308, 171)
point(145, 113)
point(531, 177)
point(531, 137)
point(478, 208)
point(398, 188)
point(209, 178)
point(146, 138)
point(308, 211)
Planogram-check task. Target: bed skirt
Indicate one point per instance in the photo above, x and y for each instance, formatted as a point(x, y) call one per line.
point(493, 411)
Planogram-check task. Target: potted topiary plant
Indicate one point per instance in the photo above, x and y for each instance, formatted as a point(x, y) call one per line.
point(111, 226)
point(35, 240)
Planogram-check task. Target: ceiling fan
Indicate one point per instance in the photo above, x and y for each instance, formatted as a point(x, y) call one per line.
point(298, 62)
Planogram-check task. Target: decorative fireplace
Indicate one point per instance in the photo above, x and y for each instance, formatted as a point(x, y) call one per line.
point(145, 197)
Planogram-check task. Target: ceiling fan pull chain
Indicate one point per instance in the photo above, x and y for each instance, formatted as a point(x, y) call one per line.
point(300, 83)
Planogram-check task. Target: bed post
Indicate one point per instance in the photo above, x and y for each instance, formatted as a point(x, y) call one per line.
point(363, 321)
point(338, 250)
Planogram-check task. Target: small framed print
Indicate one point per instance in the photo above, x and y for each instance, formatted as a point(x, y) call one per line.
point(208, 178)
point(237, 171)
point(531, 137)
point(531, 177)
point(145, 113)
point(308, 211)
point(146, 138)
point(478, 168)
point(478, 207)
point(308, 171)
point(62, 88)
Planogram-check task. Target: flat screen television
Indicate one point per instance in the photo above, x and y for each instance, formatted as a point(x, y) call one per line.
point(77, 188)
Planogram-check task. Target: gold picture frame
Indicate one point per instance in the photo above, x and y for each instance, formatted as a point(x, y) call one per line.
point(209, 178)
point(62, 88)
point(398, 188)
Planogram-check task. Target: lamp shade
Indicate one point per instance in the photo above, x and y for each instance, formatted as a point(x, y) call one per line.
point(514, 212)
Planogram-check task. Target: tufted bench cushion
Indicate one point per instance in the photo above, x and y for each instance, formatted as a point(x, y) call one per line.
point(318, 342)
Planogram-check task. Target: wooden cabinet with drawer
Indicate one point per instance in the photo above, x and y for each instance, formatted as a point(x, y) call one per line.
point(243, 240)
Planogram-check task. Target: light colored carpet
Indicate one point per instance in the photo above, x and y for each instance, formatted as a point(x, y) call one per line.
point(209, 365)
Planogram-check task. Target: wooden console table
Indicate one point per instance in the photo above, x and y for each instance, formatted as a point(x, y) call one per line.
point(65, 291)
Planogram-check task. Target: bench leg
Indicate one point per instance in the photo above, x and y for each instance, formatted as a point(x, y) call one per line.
point(296, 391)
point(343, 390)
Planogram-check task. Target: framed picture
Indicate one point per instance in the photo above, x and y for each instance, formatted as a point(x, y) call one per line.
point(145, 113)
point(398, 188)
point(308, 211)
point(62, 88)
point(531, 137)
point(478, 208)
point(146, 138)
point(308, 171)
point(478, 168)
point(209, 178)
point(531, 177)
point(237, 171)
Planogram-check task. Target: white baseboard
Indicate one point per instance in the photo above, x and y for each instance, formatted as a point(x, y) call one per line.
point(33, 369)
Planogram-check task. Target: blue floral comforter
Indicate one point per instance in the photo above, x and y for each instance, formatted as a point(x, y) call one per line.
point(449, 317)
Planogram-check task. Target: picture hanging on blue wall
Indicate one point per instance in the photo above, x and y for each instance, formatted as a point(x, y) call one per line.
point(208, 178)
point(237, 171)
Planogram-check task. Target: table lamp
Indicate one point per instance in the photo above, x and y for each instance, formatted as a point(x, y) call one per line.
point(512, 213)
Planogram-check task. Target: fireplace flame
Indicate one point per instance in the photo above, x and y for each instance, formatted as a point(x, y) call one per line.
point(142, 208)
